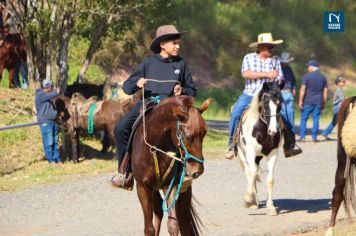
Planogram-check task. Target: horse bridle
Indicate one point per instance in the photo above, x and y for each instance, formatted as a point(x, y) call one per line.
point(263, 114)
point(181, 146)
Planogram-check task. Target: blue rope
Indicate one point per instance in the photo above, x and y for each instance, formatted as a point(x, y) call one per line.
point(91, 118)
point(156, 99)
point(180, 184)
point(114, 93)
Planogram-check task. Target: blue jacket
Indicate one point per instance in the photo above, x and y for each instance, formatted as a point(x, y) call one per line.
point(45, 108)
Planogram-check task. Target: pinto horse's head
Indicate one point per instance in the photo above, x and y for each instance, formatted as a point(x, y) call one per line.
point(190, 131)
point(270, 100)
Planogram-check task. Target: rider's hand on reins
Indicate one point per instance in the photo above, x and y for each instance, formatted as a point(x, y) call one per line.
point(272, 74)
point(141, 82)
point(177, 90)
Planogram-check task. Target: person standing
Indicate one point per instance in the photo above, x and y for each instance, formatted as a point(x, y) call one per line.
point(312, 98)
point(289, 89)
point(46, 116)
point(338, 98)
point(258, 67)
point(165, 64)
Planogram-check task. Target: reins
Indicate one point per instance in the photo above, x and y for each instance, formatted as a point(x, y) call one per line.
point(262, 115)
point(152, 148)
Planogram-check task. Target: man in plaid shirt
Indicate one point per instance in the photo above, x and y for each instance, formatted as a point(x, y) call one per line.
point(257, 68)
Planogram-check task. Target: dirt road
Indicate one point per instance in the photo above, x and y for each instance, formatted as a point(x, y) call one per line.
point(89, 206)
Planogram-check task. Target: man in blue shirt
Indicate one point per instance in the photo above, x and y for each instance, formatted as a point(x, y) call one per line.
point(312, 97)
point(46, 116)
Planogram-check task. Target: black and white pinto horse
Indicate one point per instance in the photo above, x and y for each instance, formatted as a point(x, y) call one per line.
point(260, 136)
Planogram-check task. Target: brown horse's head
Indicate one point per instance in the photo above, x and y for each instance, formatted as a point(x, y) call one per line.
point(61, 104)
point(190, 129)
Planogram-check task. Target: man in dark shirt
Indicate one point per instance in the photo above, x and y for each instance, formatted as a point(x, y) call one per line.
point(46, 116)
point(165, 64)
point(312, 97)
point(289, 89)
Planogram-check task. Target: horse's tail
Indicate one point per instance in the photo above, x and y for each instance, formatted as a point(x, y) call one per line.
point(350, 168)
point(188, 219)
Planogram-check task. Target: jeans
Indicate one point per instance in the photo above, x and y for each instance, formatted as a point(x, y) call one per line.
point(316, 111)
point(49, 133)
point(123, 131)
point(242, 102)
point(23, 70)
point(333, 122)
point(288, 109)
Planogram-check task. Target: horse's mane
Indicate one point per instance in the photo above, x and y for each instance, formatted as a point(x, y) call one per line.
point(253, 109)
point(165, 109)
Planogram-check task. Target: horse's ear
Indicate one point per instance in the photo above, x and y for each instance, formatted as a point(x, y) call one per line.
point(205, 105)
point(181, 113)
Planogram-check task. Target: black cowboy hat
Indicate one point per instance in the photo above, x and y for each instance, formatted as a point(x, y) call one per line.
point(163, 33)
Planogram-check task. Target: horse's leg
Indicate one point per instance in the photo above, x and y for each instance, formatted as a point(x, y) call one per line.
point(105, 141)
point(146, 198)
point(11, 78)
point(338, 195)
point(157, 210)
point(250, 196)
point(271, 210)
point(74, 139)
point(172, 223)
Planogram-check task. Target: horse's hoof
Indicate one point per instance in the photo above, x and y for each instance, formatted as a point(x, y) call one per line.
point(272, 212)
point(249, 198)
point(251, 205)
point(330, 231)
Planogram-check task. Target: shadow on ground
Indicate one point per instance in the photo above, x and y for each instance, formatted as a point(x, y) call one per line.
point(308, 205)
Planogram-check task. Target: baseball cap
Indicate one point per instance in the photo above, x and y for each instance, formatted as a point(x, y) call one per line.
point(338, 79)
point(47, 83)
point(314, 63)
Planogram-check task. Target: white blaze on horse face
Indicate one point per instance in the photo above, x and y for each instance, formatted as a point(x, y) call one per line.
point(272, 128)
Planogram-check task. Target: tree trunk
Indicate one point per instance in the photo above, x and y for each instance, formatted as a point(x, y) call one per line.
point(50, 49)
point(62, 61)
point(100, 32)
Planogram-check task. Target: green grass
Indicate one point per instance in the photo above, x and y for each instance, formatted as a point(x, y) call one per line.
point(5, 79)
point(223, 99)
point(215, 143)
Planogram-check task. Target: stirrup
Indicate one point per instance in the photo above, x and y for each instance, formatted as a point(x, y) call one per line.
point(124, 181)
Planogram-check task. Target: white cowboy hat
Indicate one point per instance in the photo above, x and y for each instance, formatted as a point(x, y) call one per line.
point(265, 38)
point(285, 57)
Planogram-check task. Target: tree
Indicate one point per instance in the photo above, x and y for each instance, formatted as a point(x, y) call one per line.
point(49, 25)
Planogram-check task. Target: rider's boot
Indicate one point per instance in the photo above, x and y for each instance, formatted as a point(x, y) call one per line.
point(290, 147)
point(230, 153)
point(124, 178)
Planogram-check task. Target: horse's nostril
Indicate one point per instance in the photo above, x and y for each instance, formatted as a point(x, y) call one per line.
point(195, 175)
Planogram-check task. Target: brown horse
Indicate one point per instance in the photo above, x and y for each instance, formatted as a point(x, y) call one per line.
point(106, 115)
point(344, 190)
point(12, 52)
point(173, 125)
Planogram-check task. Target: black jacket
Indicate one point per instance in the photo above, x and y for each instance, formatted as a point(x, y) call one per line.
point(159, 68)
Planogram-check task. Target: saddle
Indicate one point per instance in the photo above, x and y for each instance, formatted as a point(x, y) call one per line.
point(83, 105)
